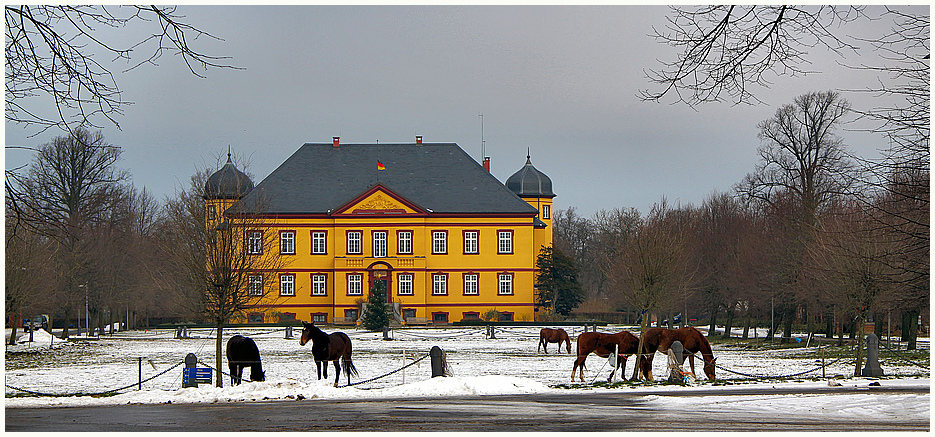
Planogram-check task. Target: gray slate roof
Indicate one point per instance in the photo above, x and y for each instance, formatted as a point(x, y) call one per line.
point(440, 177)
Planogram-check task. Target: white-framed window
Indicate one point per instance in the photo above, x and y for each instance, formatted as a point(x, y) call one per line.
point(470, 284)
point(212, 212)
point(405, 284)
point(379, 244)
point(355, 285)
point(255, 285)
point(439, 284)
point(547, 211)
point(405, 242)
point(470, 241)
point(319, 242)
point(287, 242)
point(504, 241)
point(287, 285)
point(439, 242)
point(353, 242)
point(320, 318)
point(506, 283)
point(255, 242)
point(319, 285)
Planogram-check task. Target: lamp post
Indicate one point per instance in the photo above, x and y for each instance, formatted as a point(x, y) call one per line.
point(87, 322)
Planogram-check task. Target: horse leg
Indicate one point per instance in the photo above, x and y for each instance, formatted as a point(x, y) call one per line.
point(646, 367)
point(337, 373)
point(691, 362)
point(579, 364)
point(318, 365)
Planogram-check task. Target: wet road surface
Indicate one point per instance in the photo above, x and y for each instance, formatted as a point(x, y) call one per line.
point(598, 411)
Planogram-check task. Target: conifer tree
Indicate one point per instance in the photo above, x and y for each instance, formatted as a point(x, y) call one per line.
point(376, 315)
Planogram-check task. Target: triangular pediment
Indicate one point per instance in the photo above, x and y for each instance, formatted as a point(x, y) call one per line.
point(379, 200)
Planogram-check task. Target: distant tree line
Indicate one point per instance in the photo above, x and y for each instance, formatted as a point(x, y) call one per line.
point(812, 236)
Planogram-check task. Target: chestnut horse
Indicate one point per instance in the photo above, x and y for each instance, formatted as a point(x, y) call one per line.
point(693, 341)
point(549, 335)
point(603, 345)
point(329, 347)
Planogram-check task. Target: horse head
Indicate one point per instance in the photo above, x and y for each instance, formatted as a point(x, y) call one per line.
point(307, 331)
point(709, 367)
point(257, 376)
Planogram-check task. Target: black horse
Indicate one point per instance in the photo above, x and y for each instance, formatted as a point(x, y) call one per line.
point(242, 352)
point(329, 347)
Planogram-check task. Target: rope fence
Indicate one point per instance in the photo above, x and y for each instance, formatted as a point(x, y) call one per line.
point(96, 394)
point(456, 334)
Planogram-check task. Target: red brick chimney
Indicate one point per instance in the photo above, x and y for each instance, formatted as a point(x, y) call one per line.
point(337, 141)
point(418, 139)
point(487, 163)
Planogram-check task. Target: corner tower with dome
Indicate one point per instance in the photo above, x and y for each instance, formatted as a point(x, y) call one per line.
point(223, 189)
point(423, 223)
point(535, 187)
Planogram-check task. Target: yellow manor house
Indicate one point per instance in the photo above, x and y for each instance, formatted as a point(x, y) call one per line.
point(423, 221)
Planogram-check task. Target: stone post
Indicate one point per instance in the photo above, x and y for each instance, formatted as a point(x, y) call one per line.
point(438, 361)
point(675, 362)
point(288, 333)
point(190, 362)
point(872, 367)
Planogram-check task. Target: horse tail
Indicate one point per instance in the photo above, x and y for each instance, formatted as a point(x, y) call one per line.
point(348, 365)
point(346, 362)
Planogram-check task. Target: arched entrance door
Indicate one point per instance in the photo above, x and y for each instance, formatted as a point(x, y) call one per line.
point(381, 279)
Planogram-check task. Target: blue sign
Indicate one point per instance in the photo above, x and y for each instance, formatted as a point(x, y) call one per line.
point(196, 375)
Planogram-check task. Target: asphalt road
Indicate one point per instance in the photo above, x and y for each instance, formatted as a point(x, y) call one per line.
point(598, 411)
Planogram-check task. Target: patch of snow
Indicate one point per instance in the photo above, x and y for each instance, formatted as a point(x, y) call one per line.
point(508, 364)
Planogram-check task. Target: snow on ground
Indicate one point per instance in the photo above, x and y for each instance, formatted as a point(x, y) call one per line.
point(508, 364)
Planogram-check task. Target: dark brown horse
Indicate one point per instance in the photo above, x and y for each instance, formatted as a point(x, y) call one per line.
point(329, 347)
point(549, 335)
point(241, 353)
point(603, 345)
point(693, 341)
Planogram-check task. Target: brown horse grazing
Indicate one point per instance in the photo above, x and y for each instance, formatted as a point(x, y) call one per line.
point(693, 341)
point(329, 347)
point(603, 345)
point(549, 335)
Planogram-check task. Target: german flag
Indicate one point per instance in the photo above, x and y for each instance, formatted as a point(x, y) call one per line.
point(380, 166)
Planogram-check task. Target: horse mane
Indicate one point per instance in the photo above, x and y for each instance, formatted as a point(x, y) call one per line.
point(703, 345)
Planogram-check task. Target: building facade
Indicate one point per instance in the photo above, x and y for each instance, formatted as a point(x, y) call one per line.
point(424, 222)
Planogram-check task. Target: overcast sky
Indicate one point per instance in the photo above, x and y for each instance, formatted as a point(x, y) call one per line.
point(560, 81)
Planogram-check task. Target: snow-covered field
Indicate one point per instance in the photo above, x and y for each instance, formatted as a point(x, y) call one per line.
point(508, 364)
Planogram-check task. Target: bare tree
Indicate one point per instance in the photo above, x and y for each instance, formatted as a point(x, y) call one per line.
point(721, 232)
point(852, 262)
point(29, 274)
point(69, 186)
point(72, 186)
point(724, 50)
point(56, 78)
point(221, 263)
point(801, 155)
point(53, 54)
point(651, 270)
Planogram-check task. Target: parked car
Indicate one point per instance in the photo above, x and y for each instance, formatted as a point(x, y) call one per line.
point(40, 322)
